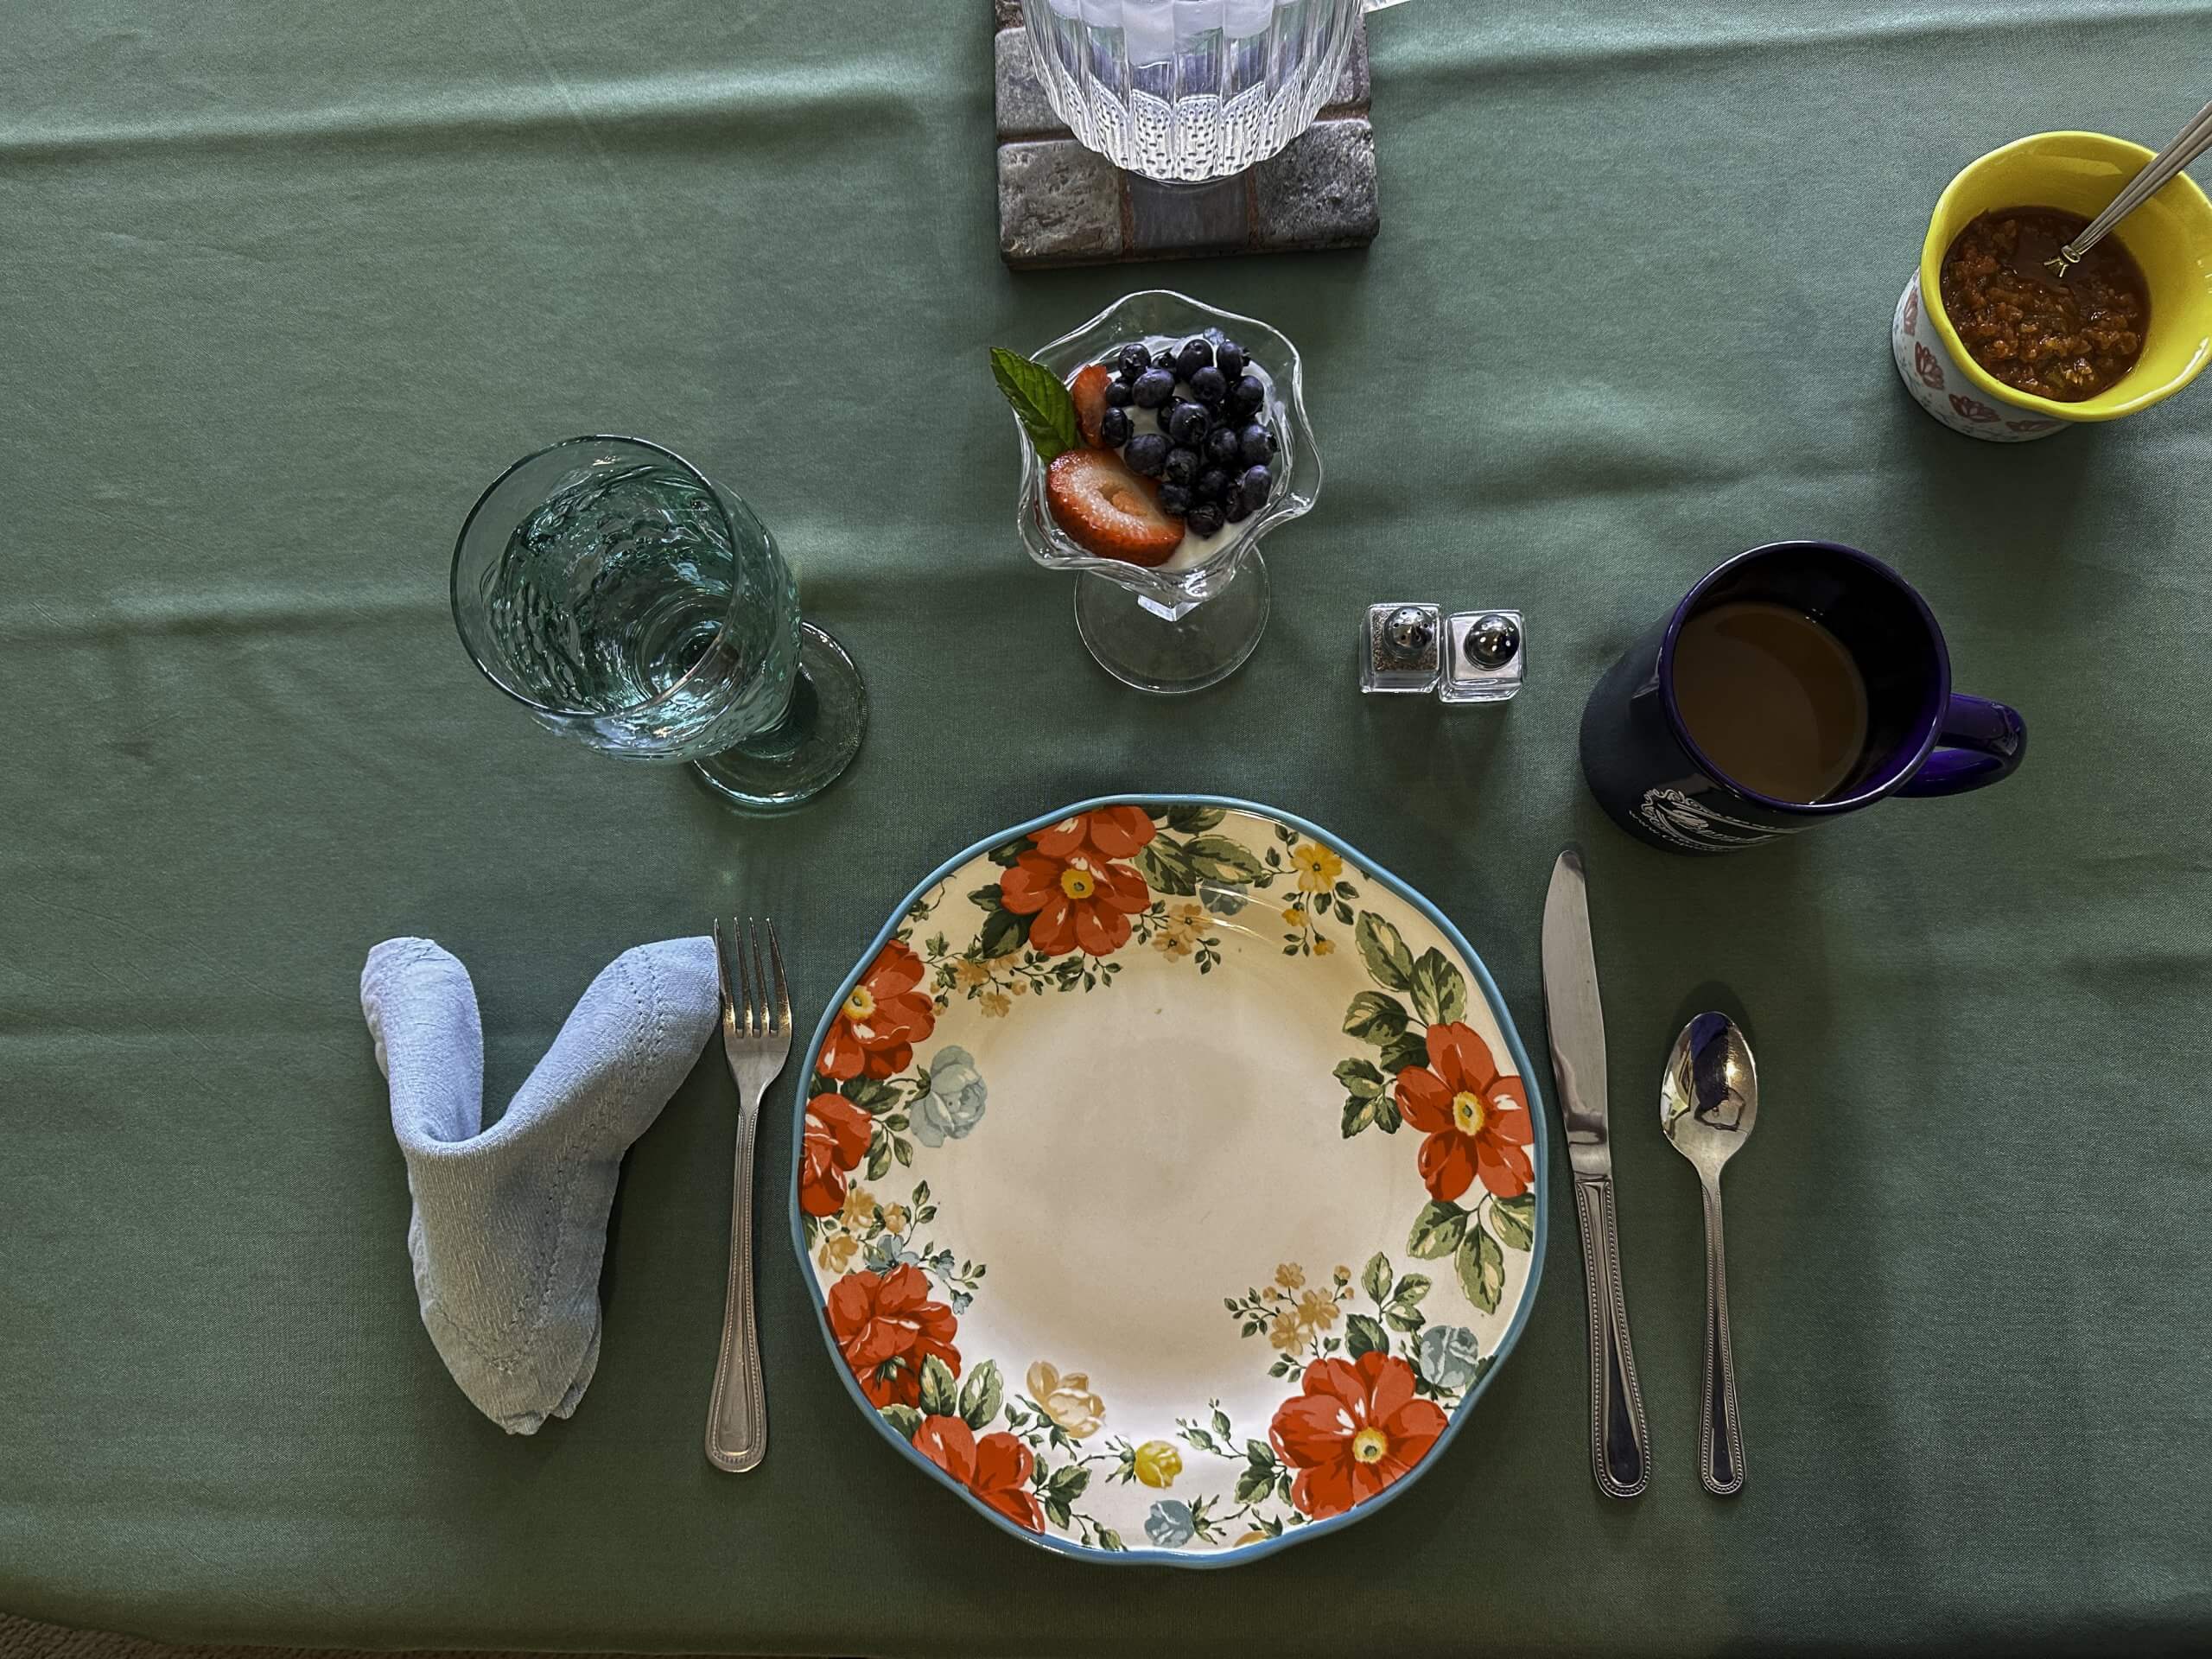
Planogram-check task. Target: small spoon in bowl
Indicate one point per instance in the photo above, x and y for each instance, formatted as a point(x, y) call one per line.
point(1708, 1100)
point(2191, 142)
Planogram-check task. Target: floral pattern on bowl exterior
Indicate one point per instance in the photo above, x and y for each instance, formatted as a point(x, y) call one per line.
point(1348, 1366)
point(1161, 312)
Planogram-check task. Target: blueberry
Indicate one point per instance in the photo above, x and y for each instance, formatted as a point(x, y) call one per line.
point(1153, 388)
point(1236, 510)
point(1187, 425)
point(1229, 356)
point(1205, 518)
point(1133, 360)
point(1174, 498)
point(1117, 394)
point(1247, 394)
point(1252, 446)
point(1212, 485)
point(1209, 387)
point(1147, 454)
point(1195, 355)
point(1256, 484)
point(1223, 448)
point(1114, 427)
point(1182, 466)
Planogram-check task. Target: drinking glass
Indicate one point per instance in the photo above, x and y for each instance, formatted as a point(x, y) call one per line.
point(633, 605)
point(1186, 90)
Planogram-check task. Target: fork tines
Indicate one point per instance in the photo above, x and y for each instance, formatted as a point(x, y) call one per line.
point(747, 1016)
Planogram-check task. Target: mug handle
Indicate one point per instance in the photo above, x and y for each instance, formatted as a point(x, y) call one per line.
point(1979, 743)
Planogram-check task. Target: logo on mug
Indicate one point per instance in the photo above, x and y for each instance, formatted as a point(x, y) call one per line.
point(1693, 824)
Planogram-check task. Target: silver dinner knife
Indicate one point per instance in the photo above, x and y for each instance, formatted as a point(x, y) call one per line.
point(1619, 1456)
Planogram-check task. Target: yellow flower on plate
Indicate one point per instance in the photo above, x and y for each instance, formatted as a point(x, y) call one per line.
point(1318, 868)
point(1325, 947)
point(837, 1252)
point(1255, 1537)
point(1316, 1310)
point(1019, 988)
point(895, 1218)
point(1293, 917)
point(967, 975)
point(1290, 1276)
point(1178, 931)
point(1159, 1463)
point(860, 1205)
point(1287, 1331)
point(1067, 1400)
point(996, 1004)
point(1342, 1275)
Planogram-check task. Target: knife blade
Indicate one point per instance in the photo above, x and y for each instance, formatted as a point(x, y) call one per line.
point(1575, 1020)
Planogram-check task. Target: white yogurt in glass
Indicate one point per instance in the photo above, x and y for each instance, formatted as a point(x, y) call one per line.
point(1195, 550)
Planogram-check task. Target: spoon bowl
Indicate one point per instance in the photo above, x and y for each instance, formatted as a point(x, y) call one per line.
point(1709, 1096)
point(1708, 1101)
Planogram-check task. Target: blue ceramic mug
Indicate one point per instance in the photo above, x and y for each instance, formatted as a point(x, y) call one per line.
point(1922, 738)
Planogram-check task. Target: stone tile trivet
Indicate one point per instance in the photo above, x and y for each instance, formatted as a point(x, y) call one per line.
point(1060, 204)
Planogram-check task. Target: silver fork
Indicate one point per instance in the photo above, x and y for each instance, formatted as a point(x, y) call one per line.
point(757, 1039)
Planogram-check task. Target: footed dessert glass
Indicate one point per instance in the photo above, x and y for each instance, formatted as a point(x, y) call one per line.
point(1168, 630)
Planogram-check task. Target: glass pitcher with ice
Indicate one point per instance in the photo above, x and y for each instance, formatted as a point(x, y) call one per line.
point(1186, 90)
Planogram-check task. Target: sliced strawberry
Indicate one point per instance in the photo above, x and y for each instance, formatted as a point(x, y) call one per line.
point(1089, 391)
point(1108, 510)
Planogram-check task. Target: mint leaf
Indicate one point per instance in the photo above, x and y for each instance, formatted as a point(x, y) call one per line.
point(1046, 408)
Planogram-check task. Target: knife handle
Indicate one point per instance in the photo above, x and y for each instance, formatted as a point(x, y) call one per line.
point(1618, 1455)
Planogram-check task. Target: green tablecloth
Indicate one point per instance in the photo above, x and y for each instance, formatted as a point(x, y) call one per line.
point(281, 287)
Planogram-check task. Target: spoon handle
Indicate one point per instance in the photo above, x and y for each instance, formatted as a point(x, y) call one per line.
point(1618, 1454)
point(2190, 142)
point(1721, 1438)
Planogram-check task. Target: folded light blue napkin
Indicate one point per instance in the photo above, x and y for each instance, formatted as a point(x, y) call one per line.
point(510, 1223)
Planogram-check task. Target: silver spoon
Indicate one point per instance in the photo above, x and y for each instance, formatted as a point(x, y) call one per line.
point(2192, 140)
point(1708, 1100)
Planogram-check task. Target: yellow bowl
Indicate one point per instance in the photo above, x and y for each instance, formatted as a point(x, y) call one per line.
point(2169, 235)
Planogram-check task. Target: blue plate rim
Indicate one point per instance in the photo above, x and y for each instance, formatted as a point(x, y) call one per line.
point(1235, 1556)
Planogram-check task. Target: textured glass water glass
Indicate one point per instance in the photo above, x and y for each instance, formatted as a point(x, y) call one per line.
point(633, 605)
point(1189, 89)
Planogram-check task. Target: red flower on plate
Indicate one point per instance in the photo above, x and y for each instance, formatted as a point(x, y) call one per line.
point(1477, 1120)
point(836, 1140)
point(1355, 1429)
point(1925, 365)
point(880, 1019)
point(887, 1326)
point(1109, 832)
point(996, 1468)
point(1071, 887)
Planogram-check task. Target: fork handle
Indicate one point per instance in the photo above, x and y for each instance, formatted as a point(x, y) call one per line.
point(737, 1417)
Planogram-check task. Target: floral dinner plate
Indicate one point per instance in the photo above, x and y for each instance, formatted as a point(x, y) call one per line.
point(1170, 1180)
